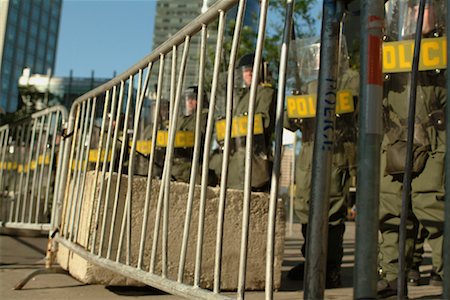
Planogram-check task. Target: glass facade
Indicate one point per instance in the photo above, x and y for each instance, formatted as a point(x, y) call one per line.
point(30, 38)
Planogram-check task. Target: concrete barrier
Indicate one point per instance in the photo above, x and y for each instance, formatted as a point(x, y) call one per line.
point(259, 206)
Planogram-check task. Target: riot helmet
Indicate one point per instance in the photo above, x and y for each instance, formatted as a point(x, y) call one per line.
point(401, 19)
point(245, 68)
point(191, 97)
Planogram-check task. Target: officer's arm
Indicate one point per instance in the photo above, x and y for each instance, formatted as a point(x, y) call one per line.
point(264, 104)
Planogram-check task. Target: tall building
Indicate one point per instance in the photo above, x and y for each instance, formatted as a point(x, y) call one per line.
point(41, 91)
point(172, 15)
point(28, 38)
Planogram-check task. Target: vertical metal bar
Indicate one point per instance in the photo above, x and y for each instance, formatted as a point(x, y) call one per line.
point(112, 165)
point(173, 80)
point(86, 162)
point(105, 164)
point(85, 159)
point(41, 173)
point(119, 247)
point(77, 171)
point(207, 144)
point(169, 154)
point(291, 188)
point(61, 171)
point(21, 167)
point(122, 152)
point(28, 167)
point(249, 149)
point(151, 160)
point(163, 181)
point(126, 220)
point(407, 177)
point(36, 168)
point(278, 142)
point(369, 144)
point(316, 248)
point(97, 165)
point(196, 155)
point(4, 146)
point(225, 159)
point(57, 176)
point(446, 288)
point(69, 202)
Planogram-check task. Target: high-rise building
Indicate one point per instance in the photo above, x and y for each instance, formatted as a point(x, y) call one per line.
point(28, 38)
point(173, 15)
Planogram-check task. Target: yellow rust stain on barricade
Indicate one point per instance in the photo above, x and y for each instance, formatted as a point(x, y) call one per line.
point(239, 127)
point(398, 56)
point(304, 106)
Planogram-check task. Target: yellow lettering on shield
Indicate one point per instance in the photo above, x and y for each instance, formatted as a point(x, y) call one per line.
point(304, 106)
point(398, 56)
point(239, 127)
point(183, 139)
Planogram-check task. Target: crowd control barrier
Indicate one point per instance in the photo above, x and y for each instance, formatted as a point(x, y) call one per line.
point(119, 208)
point(30, 162)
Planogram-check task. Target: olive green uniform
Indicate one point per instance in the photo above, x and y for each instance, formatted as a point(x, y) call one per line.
point(427, 189)
point(344, 157)
point(261, 156)
point(182, 158)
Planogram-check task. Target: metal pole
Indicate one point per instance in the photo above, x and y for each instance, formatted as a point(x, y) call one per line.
point(316, 247)
point(407, 177)
point(446, 290)
point(369, 143)
point(278, 142)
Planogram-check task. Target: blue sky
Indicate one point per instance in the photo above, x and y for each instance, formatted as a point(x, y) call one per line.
point(104, 36)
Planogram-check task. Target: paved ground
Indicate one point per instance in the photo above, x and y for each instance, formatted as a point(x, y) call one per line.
point(19, 256)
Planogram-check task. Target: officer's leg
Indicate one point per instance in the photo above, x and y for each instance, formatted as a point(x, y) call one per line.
point(390, 208)
point(415, 259)
point(428, 206)
point(301, 204)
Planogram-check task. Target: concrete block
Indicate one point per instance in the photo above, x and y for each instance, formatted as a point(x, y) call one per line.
point(259, 207)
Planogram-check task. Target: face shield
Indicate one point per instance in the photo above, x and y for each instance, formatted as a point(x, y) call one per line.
point(401, 19)
point(308, 64)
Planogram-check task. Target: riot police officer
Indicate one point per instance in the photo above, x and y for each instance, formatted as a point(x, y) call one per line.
point(427, 188)
point(185, 135)
point(264, 125)
point(300, 116)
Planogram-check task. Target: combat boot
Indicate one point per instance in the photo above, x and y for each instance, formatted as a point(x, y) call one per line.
point(333, 279)
point(435, 278)
point(297, 272)
point(414, 277)
point(387, 289)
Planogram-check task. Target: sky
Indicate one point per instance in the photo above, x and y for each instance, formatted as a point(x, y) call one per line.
point(104, 36)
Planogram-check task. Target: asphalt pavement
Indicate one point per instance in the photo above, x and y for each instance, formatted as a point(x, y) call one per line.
point(22, 255)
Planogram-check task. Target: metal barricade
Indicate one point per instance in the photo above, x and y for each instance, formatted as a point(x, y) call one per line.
point(30, 165)
point(100, 218)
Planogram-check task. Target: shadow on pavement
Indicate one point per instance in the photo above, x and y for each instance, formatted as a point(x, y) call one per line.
point(135, 291)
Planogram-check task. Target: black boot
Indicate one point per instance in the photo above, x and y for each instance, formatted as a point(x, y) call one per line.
point(297, 272)
point(386, 289)
point(333, 279)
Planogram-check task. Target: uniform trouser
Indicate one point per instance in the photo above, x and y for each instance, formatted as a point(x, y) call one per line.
point(236, 170)
point(338, 195)
point(421, 234)
point(427, 205)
